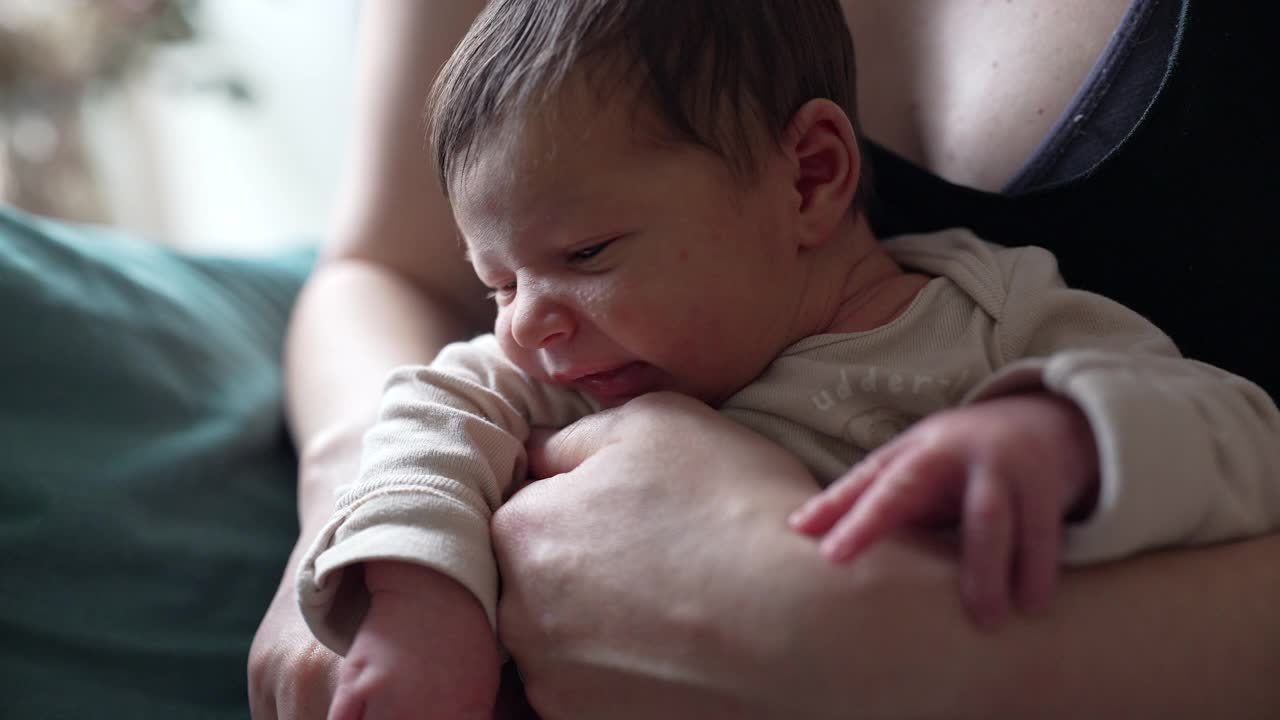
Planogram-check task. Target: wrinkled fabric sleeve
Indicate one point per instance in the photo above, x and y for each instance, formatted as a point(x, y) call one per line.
point(1189, 454)
point(446, 450)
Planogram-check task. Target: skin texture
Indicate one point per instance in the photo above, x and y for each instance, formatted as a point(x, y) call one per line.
point(969, 88)
point(1189, 634)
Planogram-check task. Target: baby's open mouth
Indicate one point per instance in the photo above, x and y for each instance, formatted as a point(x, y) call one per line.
point(621, 382)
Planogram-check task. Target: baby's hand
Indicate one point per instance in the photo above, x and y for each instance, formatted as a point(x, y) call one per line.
point(425, 650)
point(1009, 469)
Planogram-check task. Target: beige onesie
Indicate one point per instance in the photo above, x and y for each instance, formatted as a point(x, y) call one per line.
point(1189, 453)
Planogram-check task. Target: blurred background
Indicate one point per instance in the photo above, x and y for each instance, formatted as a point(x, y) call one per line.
point(209, 125)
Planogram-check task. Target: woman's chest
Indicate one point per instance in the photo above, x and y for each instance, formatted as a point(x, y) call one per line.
point(970, 88)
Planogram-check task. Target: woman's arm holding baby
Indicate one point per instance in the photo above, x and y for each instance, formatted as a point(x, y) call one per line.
point(391, 288)
point(682, 593)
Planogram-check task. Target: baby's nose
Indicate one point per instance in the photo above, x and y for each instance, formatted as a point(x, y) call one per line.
point(540, 321)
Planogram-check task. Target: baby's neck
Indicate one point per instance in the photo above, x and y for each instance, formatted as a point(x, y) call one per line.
point(861, 286)
point(878, 304)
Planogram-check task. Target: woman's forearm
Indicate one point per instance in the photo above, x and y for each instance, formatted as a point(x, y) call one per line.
point(391, 286)
point(354, 322)
point(1183, 634)
point(682, 594)
point(1190, 633)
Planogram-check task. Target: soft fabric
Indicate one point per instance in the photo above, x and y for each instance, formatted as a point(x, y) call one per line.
point(146, 481)
point(1186, 450)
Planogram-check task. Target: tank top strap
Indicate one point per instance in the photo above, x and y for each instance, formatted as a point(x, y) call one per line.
point(1110, 102)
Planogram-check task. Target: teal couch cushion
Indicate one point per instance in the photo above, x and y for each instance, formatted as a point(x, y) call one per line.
point(146, 479)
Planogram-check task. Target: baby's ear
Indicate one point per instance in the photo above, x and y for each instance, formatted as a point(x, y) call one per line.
point(827, 164)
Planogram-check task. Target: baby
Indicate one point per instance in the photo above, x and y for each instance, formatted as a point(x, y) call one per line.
point(670, 197)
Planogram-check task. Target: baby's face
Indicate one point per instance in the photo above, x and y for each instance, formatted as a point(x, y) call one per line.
point(621, 268)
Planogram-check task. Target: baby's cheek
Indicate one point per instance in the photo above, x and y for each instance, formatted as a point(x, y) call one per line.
point(654, 315)
point(502, 331)
point(516, 354)
point(669, 323)
point(623, 315)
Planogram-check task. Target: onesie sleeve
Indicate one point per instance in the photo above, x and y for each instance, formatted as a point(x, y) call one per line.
point(1189, 454)
point(447, 448)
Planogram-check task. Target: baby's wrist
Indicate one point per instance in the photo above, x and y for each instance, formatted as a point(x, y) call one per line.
point(398, 577)
point(1085, 503)
point(1084, 496)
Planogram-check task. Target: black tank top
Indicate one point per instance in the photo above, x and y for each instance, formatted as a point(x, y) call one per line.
point(1110, 102)
point(1175, 220)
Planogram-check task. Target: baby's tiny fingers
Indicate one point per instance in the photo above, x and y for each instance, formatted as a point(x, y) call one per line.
point(1039, 545)
point(987, 546)
point(822, 511)
point(893, 501)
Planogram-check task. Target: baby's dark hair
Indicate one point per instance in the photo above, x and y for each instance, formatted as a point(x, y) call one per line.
point(717, 72)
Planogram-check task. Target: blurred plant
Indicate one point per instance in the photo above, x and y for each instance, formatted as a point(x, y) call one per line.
point(53, 54)
point(74, 46)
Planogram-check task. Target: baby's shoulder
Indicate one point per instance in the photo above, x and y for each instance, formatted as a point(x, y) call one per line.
point(987, 272)
point(956, 250)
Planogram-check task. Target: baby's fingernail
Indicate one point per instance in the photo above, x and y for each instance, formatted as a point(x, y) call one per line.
point(798, 517)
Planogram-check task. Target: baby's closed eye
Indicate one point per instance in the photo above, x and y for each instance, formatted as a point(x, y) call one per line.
point(590, 252)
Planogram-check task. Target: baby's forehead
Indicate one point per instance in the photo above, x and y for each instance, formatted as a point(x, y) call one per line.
point(596, 99)
point(558, 145)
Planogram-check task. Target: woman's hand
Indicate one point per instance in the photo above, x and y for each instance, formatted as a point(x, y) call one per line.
point(577, 577)
point(292, 676)
point(657, 577)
